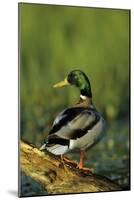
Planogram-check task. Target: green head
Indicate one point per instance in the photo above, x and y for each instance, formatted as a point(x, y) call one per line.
point(78, 79)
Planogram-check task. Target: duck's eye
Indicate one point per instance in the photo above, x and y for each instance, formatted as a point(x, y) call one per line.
point(72, 78)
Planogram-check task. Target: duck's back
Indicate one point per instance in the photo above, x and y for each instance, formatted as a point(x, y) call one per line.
point(74, 128)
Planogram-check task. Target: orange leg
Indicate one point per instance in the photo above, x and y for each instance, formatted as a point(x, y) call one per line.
point(81, 163)
point(75, 164)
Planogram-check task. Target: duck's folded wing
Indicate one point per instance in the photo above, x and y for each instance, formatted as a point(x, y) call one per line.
point(74, 123)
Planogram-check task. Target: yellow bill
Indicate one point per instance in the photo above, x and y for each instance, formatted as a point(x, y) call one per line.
point(62, 83)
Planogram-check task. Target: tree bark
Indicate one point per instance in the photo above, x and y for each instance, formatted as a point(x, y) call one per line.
point(57, 177)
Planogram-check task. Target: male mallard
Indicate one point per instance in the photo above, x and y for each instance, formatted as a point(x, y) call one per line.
point(77, 127)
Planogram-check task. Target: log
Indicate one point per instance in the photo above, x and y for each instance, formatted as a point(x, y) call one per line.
point(57, 177)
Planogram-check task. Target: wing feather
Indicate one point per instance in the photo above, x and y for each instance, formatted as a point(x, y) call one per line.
point(74, 122)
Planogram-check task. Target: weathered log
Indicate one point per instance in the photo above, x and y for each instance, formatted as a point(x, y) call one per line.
point(56, 176)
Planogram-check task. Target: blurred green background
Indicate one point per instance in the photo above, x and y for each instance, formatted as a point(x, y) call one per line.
point(55, 40)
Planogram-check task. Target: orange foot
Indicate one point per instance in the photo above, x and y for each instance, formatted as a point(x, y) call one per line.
point(69, 161)
point(84, 169)
point(80, 166)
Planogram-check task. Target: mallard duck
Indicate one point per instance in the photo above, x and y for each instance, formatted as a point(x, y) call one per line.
point(78, 127)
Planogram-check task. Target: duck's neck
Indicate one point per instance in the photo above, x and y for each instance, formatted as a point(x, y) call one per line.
point(85, 88)
point(86, 99)
point(85, 92)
